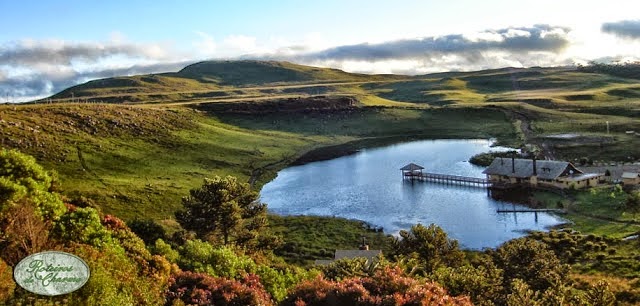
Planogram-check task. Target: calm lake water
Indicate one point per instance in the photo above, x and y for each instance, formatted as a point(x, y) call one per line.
point(368, 186)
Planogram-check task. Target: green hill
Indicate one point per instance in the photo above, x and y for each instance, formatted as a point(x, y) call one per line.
point(212, 79)
point(243, 73)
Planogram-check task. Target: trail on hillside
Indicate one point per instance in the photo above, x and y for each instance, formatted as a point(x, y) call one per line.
point(225, 98)
point(529, 134)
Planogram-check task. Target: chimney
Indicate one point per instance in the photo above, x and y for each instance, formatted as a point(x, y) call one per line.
point(535, 171)
point(513, 164)
point(364, 246)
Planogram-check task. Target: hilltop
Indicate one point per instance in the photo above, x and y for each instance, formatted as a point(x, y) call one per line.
point(210, 79)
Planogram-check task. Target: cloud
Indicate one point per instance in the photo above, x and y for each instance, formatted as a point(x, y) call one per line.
point(33, 69)
point(241, 42)
point(44, 83)
point(206, 44)
point(539, 38)
point(625, 28)
point(57, 52)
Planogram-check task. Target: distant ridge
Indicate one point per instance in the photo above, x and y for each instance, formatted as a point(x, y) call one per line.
point(214, 75)
point(250, 72)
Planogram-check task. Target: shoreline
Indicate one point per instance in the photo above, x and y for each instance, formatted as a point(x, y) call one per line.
point(328, 152)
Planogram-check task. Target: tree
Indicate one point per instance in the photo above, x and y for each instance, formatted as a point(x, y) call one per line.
point(633, 200)
point(226, 207)
point(21, 178)
point(148, 230)
point(482, 283)
point(431, 244)
point(531, 261)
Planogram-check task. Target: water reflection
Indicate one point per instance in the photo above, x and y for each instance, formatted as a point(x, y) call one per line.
point(369, 186)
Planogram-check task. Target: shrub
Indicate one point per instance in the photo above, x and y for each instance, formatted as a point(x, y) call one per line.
point(22, 178)
point(432, 246)
point(6, 281)
point(388, 286)
point(148, 230)
point(199, 256)
point(346, 268)
point(83, 225)
point(202, 289)
point(483, 284)
point(531, 261)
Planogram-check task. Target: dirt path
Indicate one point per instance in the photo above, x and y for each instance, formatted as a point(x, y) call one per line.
point(529, 135)
point(226, 89)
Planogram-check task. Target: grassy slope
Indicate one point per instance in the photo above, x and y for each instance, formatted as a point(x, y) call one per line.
point(311, 237)
point(556, 100)
point(141, 160)
point(215, 80)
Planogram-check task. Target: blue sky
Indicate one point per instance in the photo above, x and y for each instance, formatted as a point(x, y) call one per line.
point(47, 46)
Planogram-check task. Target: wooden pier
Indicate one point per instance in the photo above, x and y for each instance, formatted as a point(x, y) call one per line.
point(546, 210)
point(447, 179)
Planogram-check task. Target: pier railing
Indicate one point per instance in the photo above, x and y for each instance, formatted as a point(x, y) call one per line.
point(448, 179)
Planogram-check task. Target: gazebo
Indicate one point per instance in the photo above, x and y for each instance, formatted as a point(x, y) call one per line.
point(412, 170)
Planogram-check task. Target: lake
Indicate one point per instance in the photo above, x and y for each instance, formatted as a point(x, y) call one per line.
point(368, 186)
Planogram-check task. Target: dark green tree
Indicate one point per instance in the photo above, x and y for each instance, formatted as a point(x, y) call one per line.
point(432, 246)
point(148, 230)
point(530, 261)
point(482, 282)
point(224, 207)
point(633, 201)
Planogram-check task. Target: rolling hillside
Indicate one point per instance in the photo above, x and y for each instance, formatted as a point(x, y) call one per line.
point(214, 79)
point(252, 118)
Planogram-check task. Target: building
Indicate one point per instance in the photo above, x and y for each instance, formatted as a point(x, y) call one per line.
point(539, 173)
point(630, 178)
point(411, 170)
point(363, 252)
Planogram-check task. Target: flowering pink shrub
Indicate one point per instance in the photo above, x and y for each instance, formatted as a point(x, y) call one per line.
point(388, 286)
point(202, 289)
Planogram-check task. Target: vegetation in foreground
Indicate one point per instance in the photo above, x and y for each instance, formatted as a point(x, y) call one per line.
point(422, 265)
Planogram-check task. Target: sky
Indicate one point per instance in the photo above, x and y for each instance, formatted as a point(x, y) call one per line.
point(47, 46)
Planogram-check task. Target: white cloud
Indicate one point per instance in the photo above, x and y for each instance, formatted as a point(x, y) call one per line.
point(241, 43)
point(512, 33)
point(206, 45)
point(484, 36)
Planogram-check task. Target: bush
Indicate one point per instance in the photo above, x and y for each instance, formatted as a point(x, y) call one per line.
point(22, 178)
point(199, 256)
point(432, 246)
point(201, 289)
point(6, 281)
point(346, 268)
point(83, 225)
point(531, 261)
point(148, 230)
point(483, 284)
point(388, 286)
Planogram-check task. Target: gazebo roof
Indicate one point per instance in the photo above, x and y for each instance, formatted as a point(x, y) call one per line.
point(411, 167)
